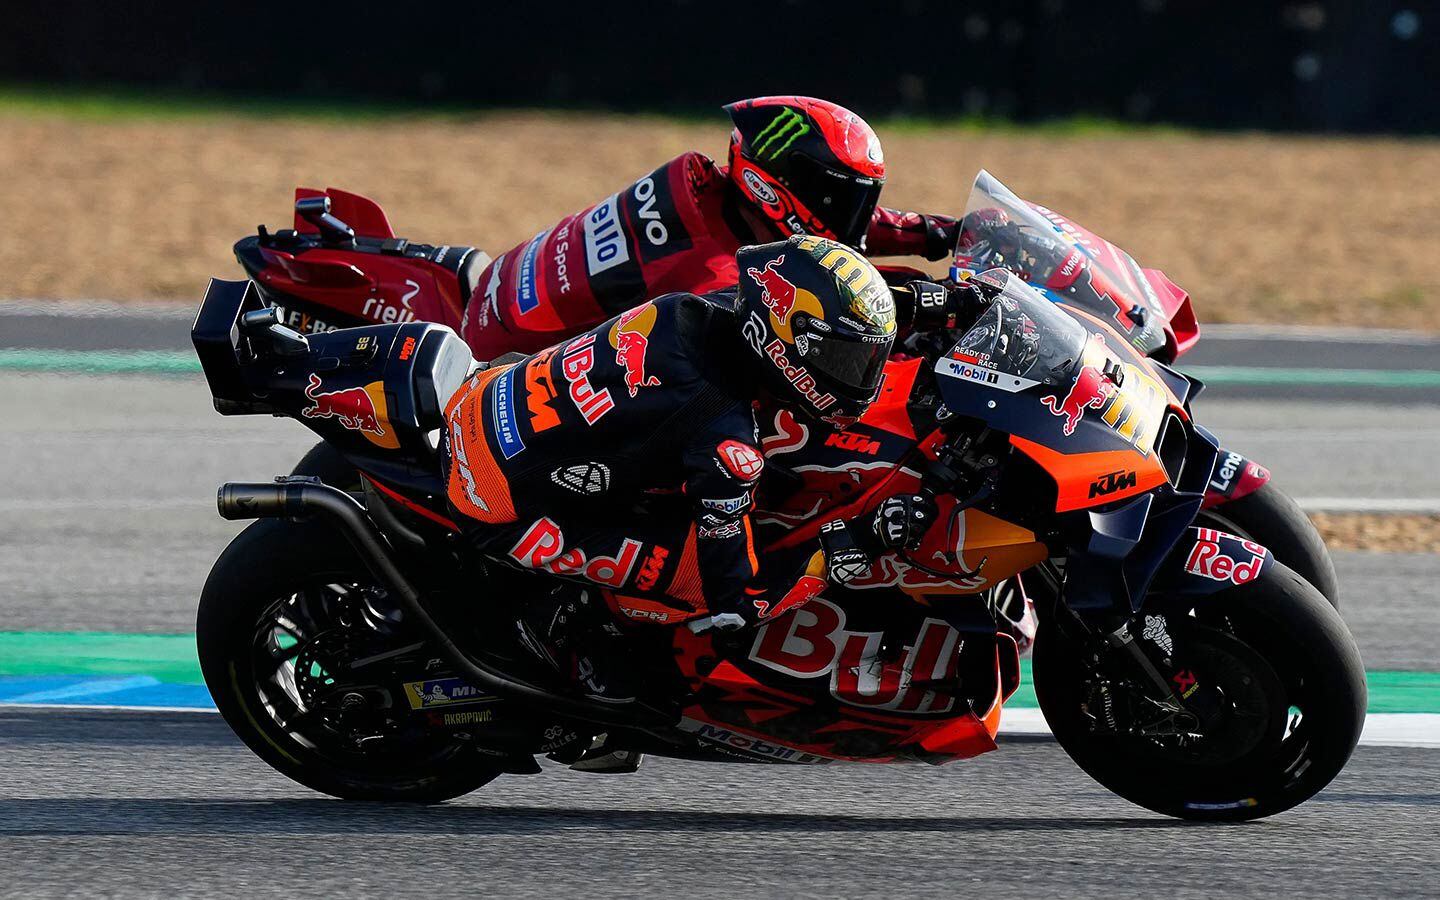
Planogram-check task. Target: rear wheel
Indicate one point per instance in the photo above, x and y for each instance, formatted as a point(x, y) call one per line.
point(286, 609)
point(1285, 702)
point(324, 462)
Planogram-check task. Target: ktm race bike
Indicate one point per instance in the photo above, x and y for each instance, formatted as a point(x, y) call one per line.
point(354, 644)
point(341, 265)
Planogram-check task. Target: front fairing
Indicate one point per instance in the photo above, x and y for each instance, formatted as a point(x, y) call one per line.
point(1070, 393)
point(1070, 264)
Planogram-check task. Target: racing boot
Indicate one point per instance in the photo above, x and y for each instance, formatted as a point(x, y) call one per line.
point(597, 652)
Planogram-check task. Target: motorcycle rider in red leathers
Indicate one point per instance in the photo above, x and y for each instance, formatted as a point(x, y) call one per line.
point(797, 166)
point(627, 456)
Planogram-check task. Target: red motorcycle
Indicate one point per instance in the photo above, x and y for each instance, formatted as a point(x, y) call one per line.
point(1183, 668)
point(341, 265)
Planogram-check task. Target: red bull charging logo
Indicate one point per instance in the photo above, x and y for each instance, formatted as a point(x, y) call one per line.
point(359, 409)
point(352, 406)
point(777, 292)
point(1090, 390)
point(631, 339)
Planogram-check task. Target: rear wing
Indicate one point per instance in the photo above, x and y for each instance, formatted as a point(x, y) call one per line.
point(222, 345)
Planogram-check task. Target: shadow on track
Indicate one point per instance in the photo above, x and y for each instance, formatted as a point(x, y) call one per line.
point(99, 816)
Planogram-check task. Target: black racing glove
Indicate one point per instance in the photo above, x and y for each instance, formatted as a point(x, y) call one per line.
point(928, 306)
point(942, 233)
point(900, 522)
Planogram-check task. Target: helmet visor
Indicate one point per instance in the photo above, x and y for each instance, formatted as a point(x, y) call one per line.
point(843, 203)
point(849, 364)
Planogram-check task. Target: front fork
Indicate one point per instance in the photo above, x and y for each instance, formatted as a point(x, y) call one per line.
point(1137, 648)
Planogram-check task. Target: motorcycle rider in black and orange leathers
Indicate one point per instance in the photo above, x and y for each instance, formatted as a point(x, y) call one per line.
point(626, 458)
point(797, 165)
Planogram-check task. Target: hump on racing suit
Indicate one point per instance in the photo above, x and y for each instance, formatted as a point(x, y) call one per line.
point(621, 458)
point(675, 229)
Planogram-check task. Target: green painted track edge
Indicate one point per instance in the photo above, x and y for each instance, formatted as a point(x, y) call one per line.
point(171, 659)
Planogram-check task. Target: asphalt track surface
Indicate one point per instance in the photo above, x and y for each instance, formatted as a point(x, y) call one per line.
point(107, 523)
point(167, 805)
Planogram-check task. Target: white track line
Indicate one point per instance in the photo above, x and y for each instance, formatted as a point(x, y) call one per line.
point(1315, 334)
point(1381, 729)
point(93, 309)
point(1420, 505)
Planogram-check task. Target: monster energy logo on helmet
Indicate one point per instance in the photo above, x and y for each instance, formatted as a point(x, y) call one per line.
point(783, 130)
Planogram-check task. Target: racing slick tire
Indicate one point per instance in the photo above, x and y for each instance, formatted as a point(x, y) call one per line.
point(271, 573)
point(1291, 704)
point(323, 461)
point(1271, 518)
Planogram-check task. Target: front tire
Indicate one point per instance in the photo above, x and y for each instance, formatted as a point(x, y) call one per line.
point(1293, 697)
point(267, 617)
point(1268, 516)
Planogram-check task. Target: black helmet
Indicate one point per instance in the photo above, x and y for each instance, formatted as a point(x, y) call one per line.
point(821, 320)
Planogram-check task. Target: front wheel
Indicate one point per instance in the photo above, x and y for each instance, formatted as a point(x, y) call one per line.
point(287, 609)
point(1285, 692)
point(1268, 516)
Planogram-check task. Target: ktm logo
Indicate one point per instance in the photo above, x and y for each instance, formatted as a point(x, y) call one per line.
point(853, 442)
point(1109, 484)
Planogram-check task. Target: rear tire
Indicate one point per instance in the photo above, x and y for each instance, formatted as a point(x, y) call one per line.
point(275, 559)
point(323, 461)
point(1270, 517)
point(1293, 691)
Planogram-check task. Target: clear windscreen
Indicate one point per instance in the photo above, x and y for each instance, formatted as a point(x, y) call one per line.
point(1063, 260)
point(1022, 334)
point(1001, 230)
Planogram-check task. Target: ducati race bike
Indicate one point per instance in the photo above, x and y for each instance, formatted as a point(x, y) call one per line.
point(354, 644)
point(341, 265)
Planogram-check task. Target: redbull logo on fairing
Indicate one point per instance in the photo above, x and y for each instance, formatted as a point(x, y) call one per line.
point(352, 406)
point(359, 409)
point(1089, 391)
point(631, 339)
point(1131, 403)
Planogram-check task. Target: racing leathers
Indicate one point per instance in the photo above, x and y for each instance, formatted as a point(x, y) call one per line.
point(675, 229)
point(627, 456)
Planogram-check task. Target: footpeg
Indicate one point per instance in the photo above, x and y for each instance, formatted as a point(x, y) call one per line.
point(616, 762)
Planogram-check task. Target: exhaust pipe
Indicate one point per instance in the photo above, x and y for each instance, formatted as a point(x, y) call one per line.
point(306, 498)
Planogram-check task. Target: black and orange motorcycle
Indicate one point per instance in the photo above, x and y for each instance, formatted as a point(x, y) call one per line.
point(341, 265)
point(353, 644)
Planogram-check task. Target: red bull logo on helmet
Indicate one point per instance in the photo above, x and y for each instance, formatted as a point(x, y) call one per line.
point(359, 409)
point(777, 291)
point(631, 339)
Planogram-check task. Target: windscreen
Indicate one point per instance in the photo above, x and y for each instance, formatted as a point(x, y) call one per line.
point(1065, 262)
point(1021, 335)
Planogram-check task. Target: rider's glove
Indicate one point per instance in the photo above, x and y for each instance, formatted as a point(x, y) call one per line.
point(965, 301)
point(942, 233)
point(900, 522)
point(928, 306)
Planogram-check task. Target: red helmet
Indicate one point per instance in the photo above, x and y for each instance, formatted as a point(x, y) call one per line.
point(810, 166)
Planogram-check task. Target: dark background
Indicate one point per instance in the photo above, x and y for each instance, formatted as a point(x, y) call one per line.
point(1321, 65)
